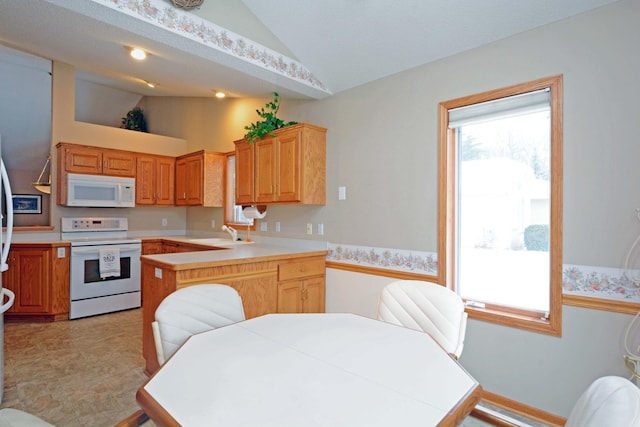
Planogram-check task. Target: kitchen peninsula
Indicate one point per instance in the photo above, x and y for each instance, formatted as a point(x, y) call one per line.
point(270, 279)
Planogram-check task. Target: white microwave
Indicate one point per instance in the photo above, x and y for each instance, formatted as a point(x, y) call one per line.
point(100, 191)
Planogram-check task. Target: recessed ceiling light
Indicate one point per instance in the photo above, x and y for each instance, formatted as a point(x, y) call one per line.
point(219, 94)
point(139, 54)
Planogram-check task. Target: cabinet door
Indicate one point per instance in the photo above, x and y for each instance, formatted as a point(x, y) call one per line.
point(118, 163)
point(83, 160)
point(244, 173)
point(165, 181)
point(145, 180)
point(195, 181)
point(265, 172)
point(181, 182)
point(290, 297)
point(31, 280)
point(288, 167)
point(313, 295)
point(189, 181)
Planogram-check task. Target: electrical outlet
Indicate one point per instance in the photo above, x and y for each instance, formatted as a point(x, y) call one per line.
point(320, 229)
point(164, 222)
point(309, 228)
point(62, 252)
point(277, 226)
point(263, 226)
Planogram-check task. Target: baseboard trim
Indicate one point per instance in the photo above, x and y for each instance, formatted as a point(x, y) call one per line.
point(516, 408)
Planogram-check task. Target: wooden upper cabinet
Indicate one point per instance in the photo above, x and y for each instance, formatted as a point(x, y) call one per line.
point(200, 179)
point(155, 180)
point(244, 173)
point(97, 161)
point(289, 167)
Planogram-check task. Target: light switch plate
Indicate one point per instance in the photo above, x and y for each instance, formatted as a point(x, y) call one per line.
point(342, 193)
point(263, 226)
point(62, 252)
point(158, 272)
point(309, 228)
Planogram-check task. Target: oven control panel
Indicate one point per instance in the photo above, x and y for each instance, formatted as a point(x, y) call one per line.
point(94, 224)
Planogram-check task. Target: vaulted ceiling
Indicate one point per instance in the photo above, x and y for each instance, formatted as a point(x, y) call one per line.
point(250, 48)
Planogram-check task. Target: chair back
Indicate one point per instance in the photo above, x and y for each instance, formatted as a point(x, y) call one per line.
point(426, 307)
point(609, 401)
point(192, 310)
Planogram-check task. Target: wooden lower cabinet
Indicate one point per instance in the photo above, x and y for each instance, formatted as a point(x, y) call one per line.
point(301, 286)
point(151, 246)
point(39, 276)
point(304, 296)
point(278, 285)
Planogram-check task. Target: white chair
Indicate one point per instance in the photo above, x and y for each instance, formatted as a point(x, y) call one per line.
point(426, 307)
point(609, 401)
point(10, 417)
point(192, 310)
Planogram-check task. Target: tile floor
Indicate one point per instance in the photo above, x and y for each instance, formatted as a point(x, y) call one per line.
point(80, 373)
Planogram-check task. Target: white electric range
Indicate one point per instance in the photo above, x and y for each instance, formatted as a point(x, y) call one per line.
point(107, 285)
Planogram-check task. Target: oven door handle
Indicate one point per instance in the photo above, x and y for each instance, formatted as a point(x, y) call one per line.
point(93, 250)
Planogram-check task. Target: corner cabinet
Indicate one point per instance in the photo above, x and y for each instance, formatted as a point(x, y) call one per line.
point(155, 180)
point(39, 276)
point(200, 179)
point(287, 167)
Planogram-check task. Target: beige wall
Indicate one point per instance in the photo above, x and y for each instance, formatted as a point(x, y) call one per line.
point(383, 144)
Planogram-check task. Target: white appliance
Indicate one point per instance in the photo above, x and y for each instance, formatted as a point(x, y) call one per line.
point(100, 191)
point(105, 266)
point(5, 243)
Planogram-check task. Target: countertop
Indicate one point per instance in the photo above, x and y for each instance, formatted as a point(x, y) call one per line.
point(221, 255)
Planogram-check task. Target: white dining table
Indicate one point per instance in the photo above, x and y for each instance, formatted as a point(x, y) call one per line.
point(306, 370)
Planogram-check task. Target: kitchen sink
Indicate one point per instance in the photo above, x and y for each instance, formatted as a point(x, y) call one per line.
point(218, 241)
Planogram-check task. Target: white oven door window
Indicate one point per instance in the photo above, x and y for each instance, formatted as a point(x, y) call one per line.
point(85, 273)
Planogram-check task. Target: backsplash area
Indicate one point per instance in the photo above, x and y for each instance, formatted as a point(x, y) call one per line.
point(597, 282)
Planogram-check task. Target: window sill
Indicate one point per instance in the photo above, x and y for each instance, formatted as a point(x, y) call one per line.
point(515, 320)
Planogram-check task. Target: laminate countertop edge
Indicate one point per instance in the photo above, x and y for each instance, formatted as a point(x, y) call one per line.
point(244, 254)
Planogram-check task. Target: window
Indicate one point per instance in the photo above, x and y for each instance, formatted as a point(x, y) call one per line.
point(232, 212)
point(501, 203)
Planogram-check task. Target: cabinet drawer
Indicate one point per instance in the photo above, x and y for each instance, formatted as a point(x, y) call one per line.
point(298, 269)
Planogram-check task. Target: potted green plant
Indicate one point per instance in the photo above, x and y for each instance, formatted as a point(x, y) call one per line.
point(270, 122)
point(135, 120)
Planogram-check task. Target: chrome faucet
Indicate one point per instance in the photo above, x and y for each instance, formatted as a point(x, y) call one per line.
point(232, 232)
